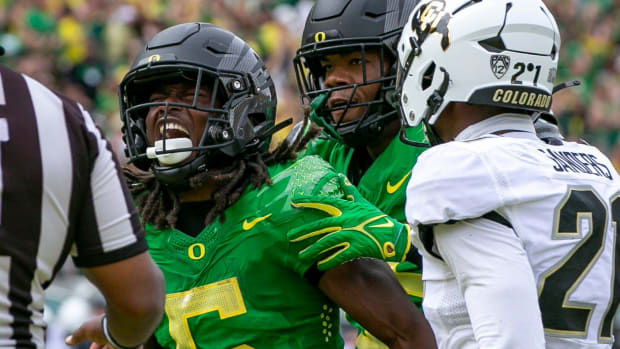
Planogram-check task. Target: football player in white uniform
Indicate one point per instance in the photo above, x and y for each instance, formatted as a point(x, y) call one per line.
point(518, 235)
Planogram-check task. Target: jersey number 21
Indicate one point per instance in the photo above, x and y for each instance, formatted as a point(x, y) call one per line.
point(582, 209)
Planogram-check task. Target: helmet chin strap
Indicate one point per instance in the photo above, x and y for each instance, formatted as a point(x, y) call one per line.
point(434, 102)
point(405, 140)
point(372, 123)
point(176, 177)
point(316, 103)
point(431, 134)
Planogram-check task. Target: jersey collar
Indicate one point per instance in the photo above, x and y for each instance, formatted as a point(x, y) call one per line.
point(503, 122)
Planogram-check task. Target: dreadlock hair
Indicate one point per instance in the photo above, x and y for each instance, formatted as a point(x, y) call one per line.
point(160, 206)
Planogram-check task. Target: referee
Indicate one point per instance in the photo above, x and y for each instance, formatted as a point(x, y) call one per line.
point(61, 193)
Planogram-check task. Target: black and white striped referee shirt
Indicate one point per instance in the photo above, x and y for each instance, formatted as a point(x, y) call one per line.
point(61, 192)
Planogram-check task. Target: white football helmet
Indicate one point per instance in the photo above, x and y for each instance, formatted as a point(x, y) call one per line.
point(500, 53)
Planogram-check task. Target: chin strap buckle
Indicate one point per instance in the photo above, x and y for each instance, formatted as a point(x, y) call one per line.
point(436, 98)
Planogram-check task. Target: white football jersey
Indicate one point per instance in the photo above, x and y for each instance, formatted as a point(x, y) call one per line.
point(561, 203)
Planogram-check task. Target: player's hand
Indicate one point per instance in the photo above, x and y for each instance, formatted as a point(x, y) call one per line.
point(91, 331)
point(354, 228)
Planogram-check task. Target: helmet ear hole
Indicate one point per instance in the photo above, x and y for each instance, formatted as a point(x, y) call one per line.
point(427, 77)
point(257, 118)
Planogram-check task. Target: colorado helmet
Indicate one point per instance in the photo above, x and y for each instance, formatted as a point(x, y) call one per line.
point(500, 53)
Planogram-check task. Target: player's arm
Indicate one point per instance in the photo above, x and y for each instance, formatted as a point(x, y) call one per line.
point(455, 183)
point(496, 280)
point(368, 291)
point(353, 228)
point(134, 293)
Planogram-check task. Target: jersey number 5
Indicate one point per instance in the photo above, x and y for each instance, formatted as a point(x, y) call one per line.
point(222, 296)
point(582, 215)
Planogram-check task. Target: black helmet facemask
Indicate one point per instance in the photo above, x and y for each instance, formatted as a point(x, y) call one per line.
point(240, 124)
point(377, 111)
point(342, 26)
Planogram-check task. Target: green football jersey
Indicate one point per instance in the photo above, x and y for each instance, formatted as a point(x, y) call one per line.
point(240, 283)
point(385, 181)
point(384, 185)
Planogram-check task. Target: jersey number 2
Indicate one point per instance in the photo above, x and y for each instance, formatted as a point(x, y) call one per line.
point(222, 296)
point(582, 215)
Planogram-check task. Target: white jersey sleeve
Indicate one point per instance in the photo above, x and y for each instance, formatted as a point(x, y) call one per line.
point(495, 279)
point(444, 181)
point(109, 229)
point(483, 259)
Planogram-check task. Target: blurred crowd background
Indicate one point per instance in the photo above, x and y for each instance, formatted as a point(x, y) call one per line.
point(82, 48)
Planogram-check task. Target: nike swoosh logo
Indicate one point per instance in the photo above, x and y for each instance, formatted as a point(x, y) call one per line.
point(391, 189)
point(329, 209)
point(249, 225)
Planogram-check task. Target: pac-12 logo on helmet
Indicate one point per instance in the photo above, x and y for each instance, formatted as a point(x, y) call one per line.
point(500, 65)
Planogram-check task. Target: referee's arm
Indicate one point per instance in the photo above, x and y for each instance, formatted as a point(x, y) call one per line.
point(134, 293)
point(111, 250)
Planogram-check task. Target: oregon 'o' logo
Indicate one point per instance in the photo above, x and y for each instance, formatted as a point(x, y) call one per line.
point(320, 36)
point(154, 58)
point(197, 247)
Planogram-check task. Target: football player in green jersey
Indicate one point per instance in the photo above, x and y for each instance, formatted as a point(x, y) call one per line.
point(198, 112)
point(346, 74)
